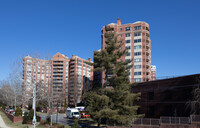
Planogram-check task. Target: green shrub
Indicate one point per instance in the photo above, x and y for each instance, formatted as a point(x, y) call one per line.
point(38, 118)
point(18, 112)
point(25, 118)
point(48, 119)
point(31, 114)
point(60, 126)
point(4, 107)
point(75, 125)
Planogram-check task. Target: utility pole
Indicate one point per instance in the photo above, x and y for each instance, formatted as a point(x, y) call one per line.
point(34, 98)
point(57, 114)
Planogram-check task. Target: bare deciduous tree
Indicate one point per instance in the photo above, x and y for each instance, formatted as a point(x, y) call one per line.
point(194, 104)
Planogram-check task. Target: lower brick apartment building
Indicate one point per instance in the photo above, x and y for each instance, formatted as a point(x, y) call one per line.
point(167, 97)
point(67, 78)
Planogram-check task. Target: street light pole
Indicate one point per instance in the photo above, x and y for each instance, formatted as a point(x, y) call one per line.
point(34, 98)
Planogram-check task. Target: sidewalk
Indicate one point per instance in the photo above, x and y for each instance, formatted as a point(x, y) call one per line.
point(2, 124)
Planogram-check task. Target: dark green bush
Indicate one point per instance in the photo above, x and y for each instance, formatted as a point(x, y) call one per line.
point(60, 126)
point(75, 125)
point(31, 114)
point(4, 107)
point(25, 118)
point(48, 119)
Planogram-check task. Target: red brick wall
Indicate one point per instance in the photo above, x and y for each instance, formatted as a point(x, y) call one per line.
point(13, 118)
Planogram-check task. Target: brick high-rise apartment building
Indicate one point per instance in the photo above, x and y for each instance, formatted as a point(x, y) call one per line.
point(35, 71)
point(136, 40)
point(80, 78)
point(59, 75)
point(66, 78)
point(52, 75)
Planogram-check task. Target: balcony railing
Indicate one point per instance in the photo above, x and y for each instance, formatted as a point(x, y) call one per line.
point(148, 50)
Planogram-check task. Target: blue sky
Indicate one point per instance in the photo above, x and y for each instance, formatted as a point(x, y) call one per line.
point(74, 27)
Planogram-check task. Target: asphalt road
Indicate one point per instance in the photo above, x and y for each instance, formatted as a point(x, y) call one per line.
point(63, 120)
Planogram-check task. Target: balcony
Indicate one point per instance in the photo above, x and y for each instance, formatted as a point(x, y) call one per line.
point(148, 70)
point(148, 77)
point(147, 60)
point(147, 34)
point(71, 66)
point(57, 81)
point(71, 70)
point(148, 63)
point(147, 28)
point(58, 69)
point(57, 66)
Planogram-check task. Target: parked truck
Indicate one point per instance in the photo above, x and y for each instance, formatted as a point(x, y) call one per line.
point(73, 113)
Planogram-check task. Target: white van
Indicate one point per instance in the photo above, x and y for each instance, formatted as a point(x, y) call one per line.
point(73, 113)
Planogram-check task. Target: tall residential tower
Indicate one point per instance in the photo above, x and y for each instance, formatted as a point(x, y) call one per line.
point(66, 79)
point(138, 43)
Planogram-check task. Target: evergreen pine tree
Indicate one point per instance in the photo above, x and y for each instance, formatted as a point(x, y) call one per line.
point(113, 102)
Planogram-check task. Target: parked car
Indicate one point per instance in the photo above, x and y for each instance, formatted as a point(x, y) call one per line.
point(9, 110)
point(84, 115)
point(12, 113)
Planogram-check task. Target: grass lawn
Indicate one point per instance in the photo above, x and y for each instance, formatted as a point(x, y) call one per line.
point(18, 124)
point(11, 124)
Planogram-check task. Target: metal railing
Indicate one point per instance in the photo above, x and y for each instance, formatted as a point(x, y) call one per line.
point(146, 121)
point(167, 120)
point(195, 118)
point(174, 120)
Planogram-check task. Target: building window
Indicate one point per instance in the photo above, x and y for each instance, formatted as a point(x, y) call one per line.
point(137, 80)
point(137, 40)
point(151, 110)
point(137, 66)
point(128, 35)
point(137, 53)
point(137, 47)
point(121, 35)
point(151, 95)
point(138, 60)
point(120, 29)
point(128, 47)
point(128, 54)
point(137, 34)
point(137, 27)
point(128, 28)
point(137, 73)
point(128, 41)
